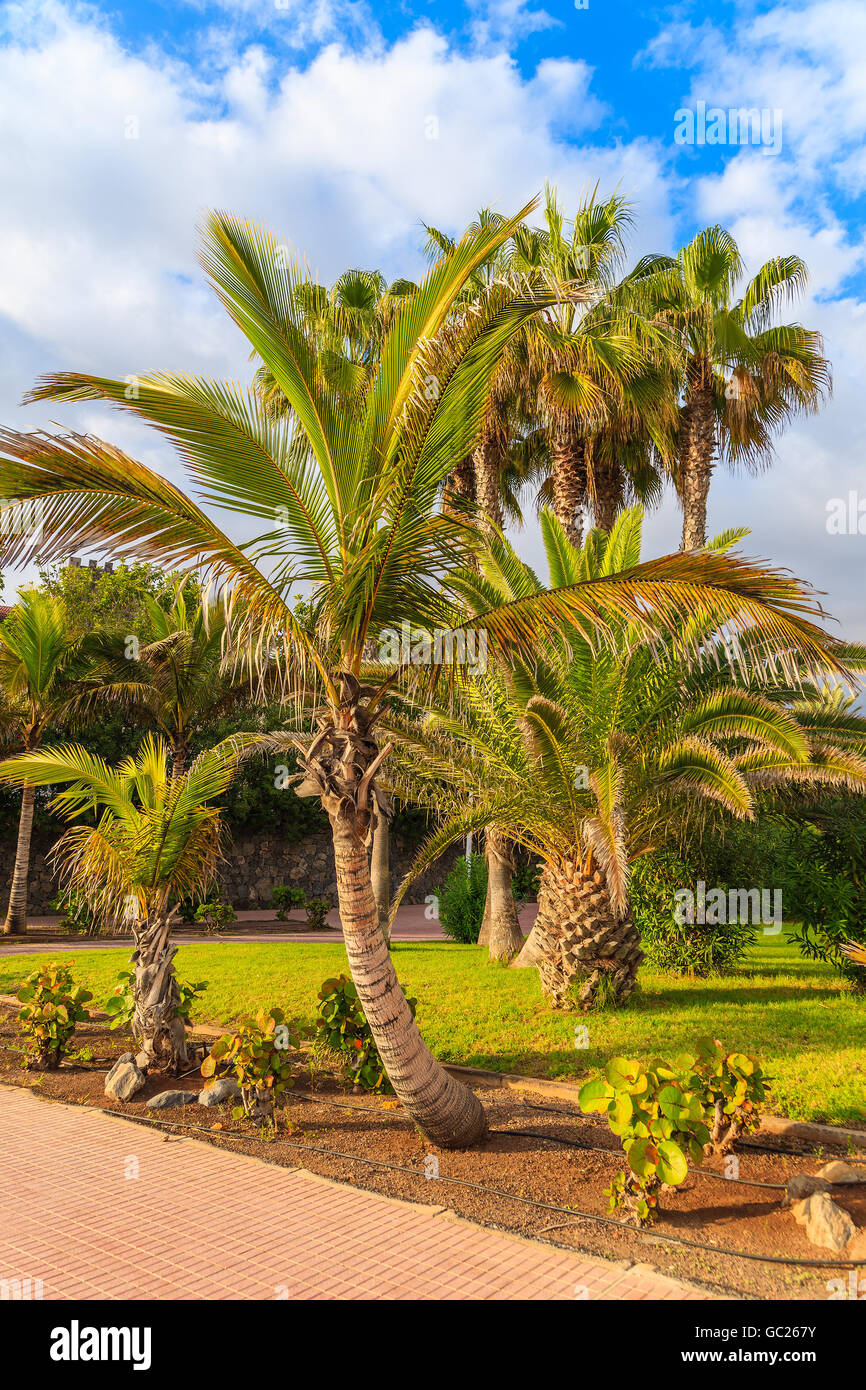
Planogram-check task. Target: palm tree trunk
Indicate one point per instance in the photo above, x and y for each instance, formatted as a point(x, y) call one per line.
point(380, 873)
point(696, 448)
point(16, 914)
point(459, 486)
point(487, 467)
point(446, 1112)
point(578, 936)
point(568, 460)
point(155, 1020)
point(179, 755)
point(339, 767)
point(504, 936)
point(607, 492)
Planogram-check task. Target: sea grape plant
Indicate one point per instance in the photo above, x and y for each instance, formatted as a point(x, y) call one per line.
point(257, 1055)
point(343, 1027)
point(52, 1005)
point(669, 1113)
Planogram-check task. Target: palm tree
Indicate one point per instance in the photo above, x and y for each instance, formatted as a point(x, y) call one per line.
point(156, 840)
point(742, 377)
point(37, 659)
point(592, 755)
point(177, 682)
point(348, 492)
point(598, 364)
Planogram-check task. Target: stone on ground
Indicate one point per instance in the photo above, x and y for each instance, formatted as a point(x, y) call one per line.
point(124, 1079)
point(167, 1099)
point(837, 1171)
point(826, 1224)
point(803, 1185)
point(221, 1090)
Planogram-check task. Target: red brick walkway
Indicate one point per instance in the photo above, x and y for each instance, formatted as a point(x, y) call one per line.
point(96, 1207)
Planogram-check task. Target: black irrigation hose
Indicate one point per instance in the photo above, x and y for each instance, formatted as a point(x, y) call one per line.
point(510, 1196)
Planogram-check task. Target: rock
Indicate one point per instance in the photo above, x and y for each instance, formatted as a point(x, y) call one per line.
point(124, 1079)
point(826, 1224)
point(837, 1171)
point(803, 1185)
point(142, 1060)
point(167, 1099)
point(857, 1249)
point(221, 1090)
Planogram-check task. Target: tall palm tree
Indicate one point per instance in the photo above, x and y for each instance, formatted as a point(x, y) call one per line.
point(348, 493)
point(156, 839)
point(592, 755)
point(177, 682)
point(742, 376)
point(596, 362)
point(37, 660)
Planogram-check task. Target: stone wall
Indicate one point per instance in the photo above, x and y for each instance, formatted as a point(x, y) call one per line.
point(254, 865)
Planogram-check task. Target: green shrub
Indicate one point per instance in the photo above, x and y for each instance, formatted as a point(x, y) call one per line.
point(669, 1113)
point(51, 1008)
point(215, 916)
point(120, 1005)
point(317, 912)
point(285, 898)
point(256, 1054)
point(684, 948)
point(343, 1027)
point(525, 882)
point(187, 909)
point(462, 898)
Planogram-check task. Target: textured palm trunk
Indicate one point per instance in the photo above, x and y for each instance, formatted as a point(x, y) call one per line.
point(340, 767)
point(459, 486)
point(380, 872)
point(500, 930)
point(696, 448)
point(179, 756)
point(446, 1112)
point(608, 489)
point(568, 468)
point(578, 937)
point(155, 1020)
point(487, 468)
point(16, 913)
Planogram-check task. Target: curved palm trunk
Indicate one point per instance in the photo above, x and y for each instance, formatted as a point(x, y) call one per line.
point(155, 1020)
point(16, 914)
point(568, 458)
point(577, 936)
point(339, 767)
point(501, 927)
point(380, 872)
point(696, 448)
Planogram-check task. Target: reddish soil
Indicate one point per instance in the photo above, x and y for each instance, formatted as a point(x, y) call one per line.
point(726, 1215)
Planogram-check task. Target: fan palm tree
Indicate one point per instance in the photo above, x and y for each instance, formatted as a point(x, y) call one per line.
point(37, 660)
point(742, 377)
point(348, 494)
point(176, 683)
point(591, 756)
point(156, 840)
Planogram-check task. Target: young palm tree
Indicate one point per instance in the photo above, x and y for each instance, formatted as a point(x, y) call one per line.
point(175, 684)
point(348, 493)
point(37, 658)
point(592, 755)
point(156, 839)
point(742, 377)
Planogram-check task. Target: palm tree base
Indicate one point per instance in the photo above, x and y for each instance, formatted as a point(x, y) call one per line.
point(579, 938)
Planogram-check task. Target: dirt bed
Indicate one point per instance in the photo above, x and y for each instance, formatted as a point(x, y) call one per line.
point(718, 1212)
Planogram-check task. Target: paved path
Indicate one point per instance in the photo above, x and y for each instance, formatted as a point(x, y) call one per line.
point(411, 925)
point(96, 1208)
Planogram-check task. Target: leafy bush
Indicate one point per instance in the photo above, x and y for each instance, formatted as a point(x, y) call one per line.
point(343, 1027)
point(77, 916)
point(668, 1113)
point(52, 1007)
point(215, 916)
point(685, 948)
point(821, 871)
point(256, 1054)
point(120, 1005)
point(187, 909)
point(462, 898)
point(525, 881)
point(317, 912)
point(285, 898)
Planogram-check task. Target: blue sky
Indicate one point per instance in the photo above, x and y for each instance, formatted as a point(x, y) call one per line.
point(345, 124)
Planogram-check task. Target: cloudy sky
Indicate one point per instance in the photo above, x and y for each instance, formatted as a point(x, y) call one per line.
point(345, 125)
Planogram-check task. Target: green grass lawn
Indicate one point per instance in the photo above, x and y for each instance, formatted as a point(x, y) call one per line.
point(796, 1014)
